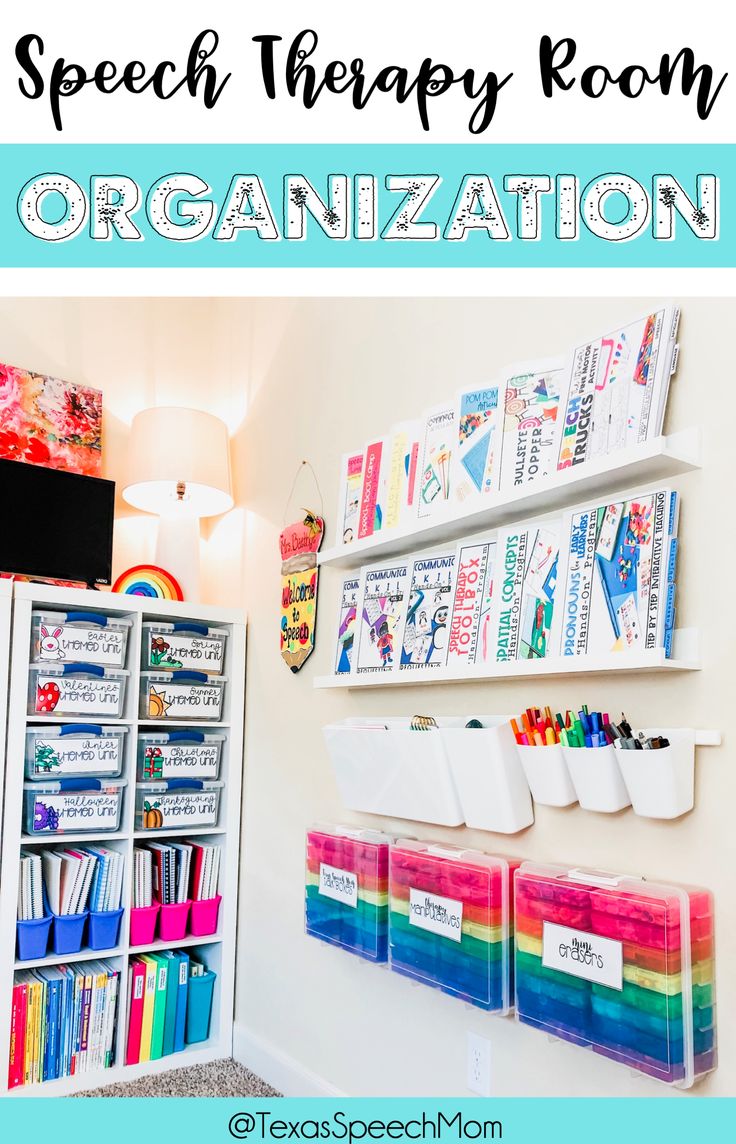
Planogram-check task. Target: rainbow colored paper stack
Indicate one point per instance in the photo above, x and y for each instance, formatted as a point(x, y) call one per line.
point(346, 893)
point(620, 965)
point(452, 921)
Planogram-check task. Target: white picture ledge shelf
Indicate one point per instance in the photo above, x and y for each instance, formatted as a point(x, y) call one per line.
point(685, 658)
point(654, 460)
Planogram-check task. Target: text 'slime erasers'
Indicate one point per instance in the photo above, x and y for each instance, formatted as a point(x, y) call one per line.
point(618, 965)
point(346, 891)
point(451, 923)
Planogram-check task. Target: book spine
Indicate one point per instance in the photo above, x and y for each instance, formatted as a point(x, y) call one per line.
point(15, 1058)
point(369, 494)
point(656, 598)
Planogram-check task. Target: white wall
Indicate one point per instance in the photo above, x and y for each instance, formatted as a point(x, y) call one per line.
point(340, 371)
point(308, 379)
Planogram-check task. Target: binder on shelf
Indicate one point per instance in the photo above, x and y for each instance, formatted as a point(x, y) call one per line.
point(136, 989)
point(199, 1007)
point(172, 990)
point(149, 995)
point(159, 1006)
point(181, 1000)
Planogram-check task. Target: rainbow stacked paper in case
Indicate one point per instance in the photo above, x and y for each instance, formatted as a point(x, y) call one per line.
point(619, 965)
point(451, 922)
point(346, 893)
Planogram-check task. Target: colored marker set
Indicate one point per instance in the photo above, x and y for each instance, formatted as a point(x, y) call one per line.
point(452, 921)
point(585, 729)
point(619, 965)
point(346, 892)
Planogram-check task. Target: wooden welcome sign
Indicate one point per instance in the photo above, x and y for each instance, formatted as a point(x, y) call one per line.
point(299, 574)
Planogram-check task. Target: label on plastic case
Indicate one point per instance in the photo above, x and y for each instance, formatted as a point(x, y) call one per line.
point(441, 916)
point(172, 651)
point(78, 756)
point(105, 646)
point(76, 695)
point(184, 700)
point(340, 885)
point(83, 811)
point(582, 954)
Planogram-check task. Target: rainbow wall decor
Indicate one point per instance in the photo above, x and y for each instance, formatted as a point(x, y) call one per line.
point(619, 965)
point(148, 580)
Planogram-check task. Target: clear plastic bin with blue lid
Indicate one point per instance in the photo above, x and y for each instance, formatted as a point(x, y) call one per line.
point(79, 637)
point(74, 749)
point(77, 689)
point(188, 753)
point(73, 806)
point(177, 803)
point(181, 695)
point(185, 645)
point(619, 965)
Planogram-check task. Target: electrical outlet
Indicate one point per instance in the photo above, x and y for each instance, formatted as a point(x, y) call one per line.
point(479, 1064)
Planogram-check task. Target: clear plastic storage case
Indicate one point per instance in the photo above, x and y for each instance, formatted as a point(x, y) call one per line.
point(74, 749)
point(186, 645)
point(177, 803)
point(79, 637)
point(619, 965)
point(346, 891)
point(175, 695)
point(451, 921)
point(82, 689)
point(73, 806)
point(186, 754)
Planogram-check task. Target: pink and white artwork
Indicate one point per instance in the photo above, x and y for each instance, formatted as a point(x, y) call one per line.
point(47, 421)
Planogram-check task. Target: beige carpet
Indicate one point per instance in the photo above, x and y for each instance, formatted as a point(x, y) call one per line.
point(217, 1078)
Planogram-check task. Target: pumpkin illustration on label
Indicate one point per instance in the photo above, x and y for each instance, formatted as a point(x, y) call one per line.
point(158, 704)
point(47, 697)
point(152, 816)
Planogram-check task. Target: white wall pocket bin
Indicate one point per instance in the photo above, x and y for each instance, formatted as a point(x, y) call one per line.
point(74, 749)
point(597, 778)
point(387, 768)
point(661, 783)
point(79, 637)
point(489, 777)
point(547, 774)
point(76, 689)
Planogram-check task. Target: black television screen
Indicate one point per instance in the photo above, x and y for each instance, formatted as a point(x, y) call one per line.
point(55, 525)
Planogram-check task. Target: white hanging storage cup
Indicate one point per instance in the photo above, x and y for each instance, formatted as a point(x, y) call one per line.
point(547, 774)
point(489, 777)
point(388, 768)
point(661, 783)
point(597, 778)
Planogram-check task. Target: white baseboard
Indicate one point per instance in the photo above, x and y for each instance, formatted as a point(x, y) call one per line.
point(277, 1068)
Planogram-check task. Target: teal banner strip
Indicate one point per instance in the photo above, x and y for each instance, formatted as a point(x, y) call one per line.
point(194, 1121)
point(361, 206)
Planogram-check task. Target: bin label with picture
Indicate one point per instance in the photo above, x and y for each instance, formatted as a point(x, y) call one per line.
point(66, 691)
point(51, 755)
point(50, 811)
point(74, 638)
point(175, 697)
point(159, 807)
point(171, 647)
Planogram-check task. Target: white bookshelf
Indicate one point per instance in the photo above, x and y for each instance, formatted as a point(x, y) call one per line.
point(640, 465)
point(218, 950)
point(6, 605)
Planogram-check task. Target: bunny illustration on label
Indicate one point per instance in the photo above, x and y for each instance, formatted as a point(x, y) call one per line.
point(49, 647)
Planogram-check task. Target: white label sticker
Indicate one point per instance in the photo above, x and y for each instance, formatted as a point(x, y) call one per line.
point(77, 756)
point(184, 700)
point(181, 808)
point(63, 812)
point(105, 646)
point(173, 760)
point(77, 695)
point(442, 916)
point(183, 973)
point(340, 885)
point(138, 990)
point(582, 954)
point(170, 650)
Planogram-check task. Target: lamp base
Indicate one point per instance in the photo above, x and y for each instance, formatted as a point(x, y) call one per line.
point(177, 552)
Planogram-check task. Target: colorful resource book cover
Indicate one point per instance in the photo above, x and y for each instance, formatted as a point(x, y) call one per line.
point(477, 419)
point(469, 639)
point(373, 489)
point(613, 585)
point(529, 442)
point(525, 589)
point(435, 471)
point(424, 640)
point(403, 455)
point(351, 482)
point(346, 625)
point(381, 613)
point(617, 387)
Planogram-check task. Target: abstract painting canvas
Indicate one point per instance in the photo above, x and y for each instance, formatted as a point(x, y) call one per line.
point(47, 421)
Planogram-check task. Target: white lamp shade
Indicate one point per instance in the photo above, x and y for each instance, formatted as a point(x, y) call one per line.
point(169, 447)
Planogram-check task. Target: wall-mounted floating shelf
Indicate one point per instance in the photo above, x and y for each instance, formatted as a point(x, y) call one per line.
point(655, 460)
point(685, 658)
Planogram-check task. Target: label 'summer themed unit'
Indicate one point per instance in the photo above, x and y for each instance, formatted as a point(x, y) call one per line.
point(74, 749)
point(619, 965)
point(181, 695)
point(451, 921)
point(178, 802)
point(193, 647)
point(73, 806)
point(346, 891)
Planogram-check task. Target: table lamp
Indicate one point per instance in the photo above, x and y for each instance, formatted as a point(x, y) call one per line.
point(179, 468)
